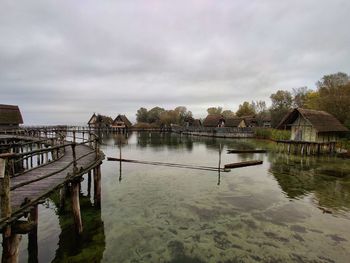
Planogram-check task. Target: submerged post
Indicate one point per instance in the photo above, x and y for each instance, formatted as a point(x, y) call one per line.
point(97, 186)
point(33, 236)
point(76, 206)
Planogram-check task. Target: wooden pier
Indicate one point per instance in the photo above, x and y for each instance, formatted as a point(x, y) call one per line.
point(33, 164)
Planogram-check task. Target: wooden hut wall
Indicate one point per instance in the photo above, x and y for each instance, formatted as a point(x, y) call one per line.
point(302, 130)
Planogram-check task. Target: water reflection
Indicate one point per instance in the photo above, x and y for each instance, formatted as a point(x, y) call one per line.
point(161, 140)
point(327, 178)
point(89, 246)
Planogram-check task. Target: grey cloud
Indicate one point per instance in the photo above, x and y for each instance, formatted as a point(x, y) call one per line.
point(62, 60)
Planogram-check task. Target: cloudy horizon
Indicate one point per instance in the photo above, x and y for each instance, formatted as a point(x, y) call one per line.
point(61, 61)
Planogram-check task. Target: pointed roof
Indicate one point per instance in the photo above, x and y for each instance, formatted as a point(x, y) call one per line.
point(10, 114)
point(322, 121)
point(233, 121)
point(93, 117)
point(213, 120)
point(124, 119)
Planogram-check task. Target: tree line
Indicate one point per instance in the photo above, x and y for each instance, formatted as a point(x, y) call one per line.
point(332, 94)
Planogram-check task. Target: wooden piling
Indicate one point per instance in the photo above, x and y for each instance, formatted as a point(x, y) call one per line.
point(97, 186)
point(33, 236)
point(76, 206)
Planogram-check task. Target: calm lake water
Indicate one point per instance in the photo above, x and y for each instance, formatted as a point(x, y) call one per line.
point(289, 209)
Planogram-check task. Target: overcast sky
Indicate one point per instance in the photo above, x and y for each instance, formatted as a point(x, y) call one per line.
point(60, 61)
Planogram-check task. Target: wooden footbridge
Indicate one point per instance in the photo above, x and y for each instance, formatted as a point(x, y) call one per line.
point(33, 164)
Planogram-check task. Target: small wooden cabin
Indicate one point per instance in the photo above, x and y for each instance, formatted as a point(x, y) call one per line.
point(121, 122)
point(312, 126)
point(191, 122)
point(214, 121)
point(99, 121)
point(10, 117)
point(92, 123)
point(235, 122)
point(250, 121)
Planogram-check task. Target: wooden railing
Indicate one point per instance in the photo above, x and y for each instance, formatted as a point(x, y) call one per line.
point(41, 146)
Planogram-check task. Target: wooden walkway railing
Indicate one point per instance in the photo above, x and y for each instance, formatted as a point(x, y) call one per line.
point(34, 163)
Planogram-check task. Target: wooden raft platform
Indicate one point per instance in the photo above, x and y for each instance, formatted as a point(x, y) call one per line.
point(32, 186)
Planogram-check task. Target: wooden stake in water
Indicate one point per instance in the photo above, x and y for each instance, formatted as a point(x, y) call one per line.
point(219, 175)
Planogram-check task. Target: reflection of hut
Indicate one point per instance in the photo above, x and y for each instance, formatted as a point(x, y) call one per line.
point(214, 120)
point(121, 122)
point(235, 122)
point(99, 121)
point(10, 116)
point(312, 126)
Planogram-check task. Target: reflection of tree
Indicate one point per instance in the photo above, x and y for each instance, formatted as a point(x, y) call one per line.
point(89, 247)
point(299, 176)
point(161, 140)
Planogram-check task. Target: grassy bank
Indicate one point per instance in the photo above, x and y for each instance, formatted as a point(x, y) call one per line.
point(272, 134)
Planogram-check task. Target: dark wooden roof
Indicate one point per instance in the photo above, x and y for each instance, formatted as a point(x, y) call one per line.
point(124, 119)
point(213, 120)
point(10, 114)
point(250, 120)
point(322, 121)
point(233, 121)
point(92, 118)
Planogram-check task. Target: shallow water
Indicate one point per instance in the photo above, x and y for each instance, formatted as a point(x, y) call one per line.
point(289, 209)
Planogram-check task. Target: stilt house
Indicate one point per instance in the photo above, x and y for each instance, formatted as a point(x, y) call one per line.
point(214, 120)
point(10, 116)
point(99, 121)
point(312, 126)
point(121, 122)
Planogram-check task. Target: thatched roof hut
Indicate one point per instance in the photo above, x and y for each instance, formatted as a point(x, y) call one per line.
point(250, 120)
point(121, 121)
point(214, 120)
point(235, 122)
point(99, 121)
point(10, 116)
point(312, 125)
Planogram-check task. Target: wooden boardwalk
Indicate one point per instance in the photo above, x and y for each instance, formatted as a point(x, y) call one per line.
point(68, 161)
point(37, 183)
point(33, 164)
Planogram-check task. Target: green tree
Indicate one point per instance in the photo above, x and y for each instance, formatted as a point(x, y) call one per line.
point(142, 115)
point(281, 104)
point(334, 95)
point(300, 96)
point(228, 114)
point(154, 114)
point(182, 114)
point(261, 111)
point(245, 109)
point(214, 110)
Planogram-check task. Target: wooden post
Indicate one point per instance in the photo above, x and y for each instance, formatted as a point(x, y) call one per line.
point(89, 184)
point(33, 236)
point(63, 194)
point(74, 158)
point(96, 146)
point(10, 241)
point(5, 171)
point(76, 206)
point(31, 155)
point(10, 248)
point(97, 187)
point(219, 175)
